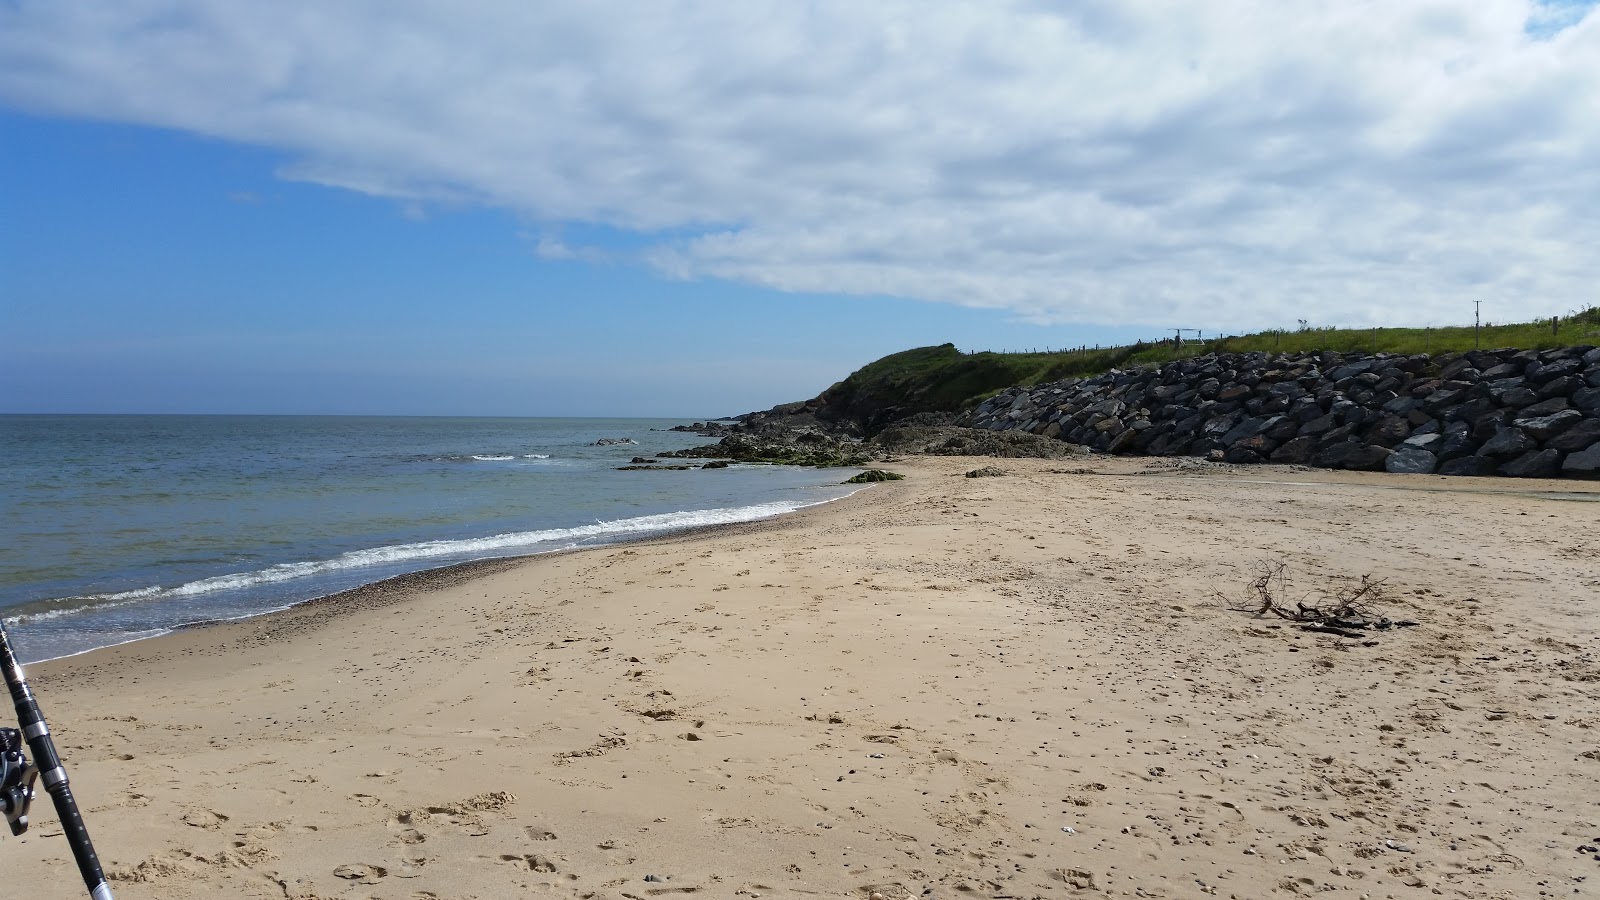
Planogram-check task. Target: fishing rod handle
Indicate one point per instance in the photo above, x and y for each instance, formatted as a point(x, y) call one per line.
point(48, 762)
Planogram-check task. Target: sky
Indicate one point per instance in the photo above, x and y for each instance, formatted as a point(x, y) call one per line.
point(491, 207)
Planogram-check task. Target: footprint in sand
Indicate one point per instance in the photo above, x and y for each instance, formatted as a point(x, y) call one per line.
point(361, 873)
point(534, 861)
point(539, 833)
point(364, 800)
point(203, 818)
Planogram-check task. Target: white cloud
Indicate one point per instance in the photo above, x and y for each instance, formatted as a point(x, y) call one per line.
point(1232, 164)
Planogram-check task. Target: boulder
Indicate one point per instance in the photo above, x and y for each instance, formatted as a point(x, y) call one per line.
point(1469, 465)
point(1543, 428)
point(1518, 397)
point(1458, 442)
point(1578, 437)
point(1388, 431)
point(1544, 408)
point(1503, 370)
point(1507, 443)
point(1588, 400)
point(1320, 425)
point(1534, 464)
point(1565, 386)
point(1351, 455)
point(1583, 464)
point(1295, 451)
point(1411, 460)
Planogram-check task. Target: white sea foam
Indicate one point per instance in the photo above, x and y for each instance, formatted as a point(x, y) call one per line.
point(492, 458)
point(400, 554)
point(69, 606)
point(536, 456)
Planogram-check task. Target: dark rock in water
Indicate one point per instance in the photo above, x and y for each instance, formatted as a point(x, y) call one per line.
point(1411, 460)
point(610, 442)
point(716, 464)
point(872, 475)
point(1507, 443)
point(1583, 464)
point(641, 461)
point(653, 468)
point(1578, 437)
point(1469, 465)
point(1544, 428)
point(1534, 464)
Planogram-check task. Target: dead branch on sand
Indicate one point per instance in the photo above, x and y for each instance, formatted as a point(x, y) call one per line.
point(1347, 613)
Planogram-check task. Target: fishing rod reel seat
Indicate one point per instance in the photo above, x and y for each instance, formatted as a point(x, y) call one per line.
point(17, 776)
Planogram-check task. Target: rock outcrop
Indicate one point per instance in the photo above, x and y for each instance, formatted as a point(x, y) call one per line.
point(1518, 413)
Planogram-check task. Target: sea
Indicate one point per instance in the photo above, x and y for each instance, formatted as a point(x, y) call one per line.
point(117, 528)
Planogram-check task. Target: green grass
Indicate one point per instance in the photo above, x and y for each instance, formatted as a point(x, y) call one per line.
point(944, 379)
point(1583, 328)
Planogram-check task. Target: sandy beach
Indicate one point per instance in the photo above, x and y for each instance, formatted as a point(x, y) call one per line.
point(1033, 685)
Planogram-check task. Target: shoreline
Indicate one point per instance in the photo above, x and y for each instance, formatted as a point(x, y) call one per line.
point(403, 580)
point(995, 687)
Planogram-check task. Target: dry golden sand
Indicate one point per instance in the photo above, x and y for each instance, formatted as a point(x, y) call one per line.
point(1000, 687)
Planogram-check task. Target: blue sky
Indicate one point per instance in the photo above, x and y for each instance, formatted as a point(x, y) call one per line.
point(414, 208)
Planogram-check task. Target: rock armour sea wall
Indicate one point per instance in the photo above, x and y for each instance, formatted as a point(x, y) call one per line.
point(1519, 413)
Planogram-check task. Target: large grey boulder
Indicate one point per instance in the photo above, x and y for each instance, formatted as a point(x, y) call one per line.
point(1411, 461)
point(1578, 437)
point(1583, 464)
point(1518, 397)
point(1543, 428)
point(1534, 464)
point(1507, 443)
point(1429, 442)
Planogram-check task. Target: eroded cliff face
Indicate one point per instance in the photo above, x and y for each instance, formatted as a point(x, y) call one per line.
point(1526, 413)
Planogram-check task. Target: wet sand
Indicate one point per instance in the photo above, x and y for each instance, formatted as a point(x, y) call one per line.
point(1025, 686)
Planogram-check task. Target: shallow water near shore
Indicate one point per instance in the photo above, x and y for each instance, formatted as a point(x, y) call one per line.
point(123, 527)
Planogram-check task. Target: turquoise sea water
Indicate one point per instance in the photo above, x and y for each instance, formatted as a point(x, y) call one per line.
point(115, 528)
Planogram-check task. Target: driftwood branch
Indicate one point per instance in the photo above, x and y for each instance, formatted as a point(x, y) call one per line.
point(1348, 613)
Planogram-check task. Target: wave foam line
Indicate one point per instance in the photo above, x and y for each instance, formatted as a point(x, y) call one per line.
point(493, 545)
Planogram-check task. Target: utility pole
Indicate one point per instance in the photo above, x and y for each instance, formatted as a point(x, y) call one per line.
point(1477, 318)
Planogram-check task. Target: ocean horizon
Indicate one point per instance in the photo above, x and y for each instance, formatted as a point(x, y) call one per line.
point(124, 527)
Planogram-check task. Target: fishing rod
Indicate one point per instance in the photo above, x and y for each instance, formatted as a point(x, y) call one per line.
point(17, 774)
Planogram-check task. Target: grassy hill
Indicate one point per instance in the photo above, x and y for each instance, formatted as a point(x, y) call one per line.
point(944, 379)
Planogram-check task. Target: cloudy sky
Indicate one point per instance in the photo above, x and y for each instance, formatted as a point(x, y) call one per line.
point(494, 206)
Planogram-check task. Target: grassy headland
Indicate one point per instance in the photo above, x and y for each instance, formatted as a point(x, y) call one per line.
point(945, 379)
